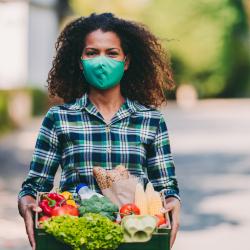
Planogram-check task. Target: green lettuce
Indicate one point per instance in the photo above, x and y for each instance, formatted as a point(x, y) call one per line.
point(94, 231)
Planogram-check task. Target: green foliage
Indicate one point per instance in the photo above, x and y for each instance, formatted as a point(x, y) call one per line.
point(39, 101)
point(236, 53)
point(5, 121)
point(198, 34)
point(39, 106)
point(92, 230)
point(129, 9)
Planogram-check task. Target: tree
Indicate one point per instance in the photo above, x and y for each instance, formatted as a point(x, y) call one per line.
point(207, 39)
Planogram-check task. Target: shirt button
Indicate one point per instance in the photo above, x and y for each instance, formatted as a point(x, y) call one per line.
point(107, 129)
point(109, 149)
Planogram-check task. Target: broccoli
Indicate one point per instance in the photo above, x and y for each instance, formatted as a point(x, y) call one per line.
point(98, 205)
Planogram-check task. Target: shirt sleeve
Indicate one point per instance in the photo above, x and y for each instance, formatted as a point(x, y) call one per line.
point(160, 164)
point(45, 160)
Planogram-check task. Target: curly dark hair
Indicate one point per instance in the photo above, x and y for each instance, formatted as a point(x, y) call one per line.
point(149, 73)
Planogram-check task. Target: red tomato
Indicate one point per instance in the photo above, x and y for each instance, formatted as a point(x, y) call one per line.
point(129, 209)
point(161, 219)
point(43, 218)
point(65, 209)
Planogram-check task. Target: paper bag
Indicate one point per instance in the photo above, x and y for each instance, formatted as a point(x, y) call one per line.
point(122, 191)
point(117, 184)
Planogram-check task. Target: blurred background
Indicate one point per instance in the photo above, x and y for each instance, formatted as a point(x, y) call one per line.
point(208, 114)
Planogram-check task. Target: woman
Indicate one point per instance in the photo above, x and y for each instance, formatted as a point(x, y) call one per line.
point(111, 74)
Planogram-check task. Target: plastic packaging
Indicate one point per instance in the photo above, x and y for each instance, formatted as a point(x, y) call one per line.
point(85, 192)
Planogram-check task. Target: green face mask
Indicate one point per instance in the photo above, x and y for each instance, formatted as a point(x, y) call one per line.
point(103, 72)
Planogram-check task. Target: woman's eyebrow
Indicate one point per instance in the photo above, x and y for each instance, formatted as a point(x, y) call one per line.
point(95, 49)
point(113, 49)
point(91, 48)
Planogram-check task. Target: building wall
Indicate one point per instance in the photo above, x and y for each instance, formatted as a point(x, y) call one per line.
point(28, 31)
point(13, 44)
point(42, 34)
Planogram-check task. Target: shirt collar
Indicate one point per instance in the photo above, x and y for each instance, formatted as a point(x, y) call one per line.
point(129, 105)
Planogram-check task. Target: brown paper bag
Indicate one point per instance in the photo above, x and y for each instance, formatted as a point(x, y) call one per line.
point(116, 184)
point(122, 191)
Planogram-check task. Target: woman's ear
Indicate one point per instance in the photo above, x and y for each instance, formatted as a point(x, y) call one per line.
point(127, 62)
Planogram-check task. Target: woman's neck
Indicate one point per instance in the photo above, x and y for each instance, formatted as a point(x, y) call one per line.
point(107, 102)
point(109, 99)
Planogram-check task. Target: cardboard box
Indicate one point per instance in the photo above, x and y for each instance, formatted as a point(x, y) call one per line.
point(160, 239)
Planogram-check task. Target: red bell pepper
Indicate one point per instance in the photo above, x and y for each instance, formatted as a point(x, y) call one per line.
point(47, 205)
point(57, 197)
point(50, 202)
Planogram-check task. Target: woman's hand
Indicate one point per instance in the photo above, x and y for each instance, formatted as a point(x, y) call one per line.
point(27, 206)
point(173, 205)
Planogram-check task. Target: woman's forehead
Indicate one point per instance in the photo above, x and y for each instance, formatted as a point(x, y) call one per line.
point(100, 39)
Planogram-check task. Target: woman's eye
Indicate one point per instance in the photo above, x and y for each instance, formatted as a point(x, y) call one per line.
point(113, 54)
point(90, 53)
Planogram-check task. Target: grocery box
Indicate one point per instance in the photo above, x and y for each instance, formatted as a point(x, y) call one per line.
point(160, 239)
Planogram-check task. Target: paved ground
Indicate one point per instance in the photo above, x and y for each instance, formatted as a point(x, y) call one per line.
point(211, 146)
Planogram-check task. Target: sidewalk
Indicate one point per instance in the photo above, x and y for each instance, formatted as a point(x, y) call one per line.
point(211, 146)
point(15, 154)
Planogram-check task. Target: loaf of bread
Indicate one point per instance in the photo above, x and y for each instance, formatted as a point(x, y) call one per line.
point(100, 175)
point(106, 178)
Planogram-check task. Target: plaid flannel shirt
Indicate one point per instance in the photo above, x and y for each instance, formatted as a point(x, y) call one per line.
point(76, 137)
